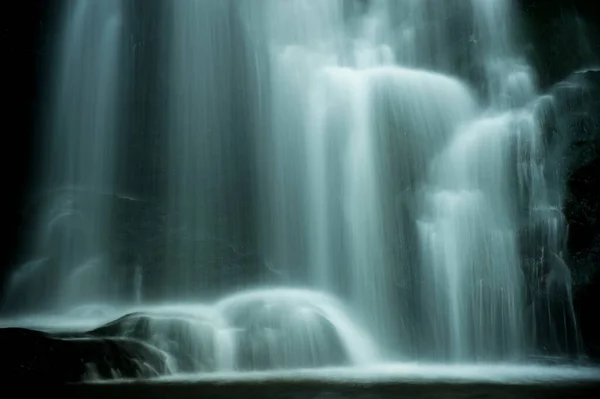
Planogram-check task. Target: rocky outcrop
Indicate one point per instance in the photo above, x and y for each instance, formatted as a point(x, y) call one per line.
point(34, 356)
point(583, 213)
point(285, 335)
point(246, 335)
point(558, 27)
point(188, 340)
point(582, 207)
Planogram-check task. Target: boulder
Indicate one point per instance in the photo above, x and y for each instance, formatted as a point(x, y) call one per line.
point(189, 340)
point(285, 335)
point(30, 355)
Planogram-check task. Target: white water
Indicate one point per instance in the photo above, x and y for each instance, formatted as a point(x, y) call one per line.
point(396, 153)
point(281, 328)
point(409, 372)
point(292, 320)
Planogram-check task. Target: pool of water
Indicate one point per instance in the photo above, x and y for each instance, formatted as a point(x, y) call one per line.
point(335, 390)
point(379, 382)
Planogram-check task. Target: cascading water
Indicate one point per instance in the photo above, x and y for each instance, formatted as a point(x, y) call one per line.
point(208, 139)
point(369, 121)
point(78, 171)
point(391, 154)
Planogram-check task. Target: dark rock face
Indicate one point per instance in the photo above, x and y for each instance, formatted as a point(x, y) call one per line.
point(31, 356)
point(582, 203)
point(556, 28)
point(583, 210)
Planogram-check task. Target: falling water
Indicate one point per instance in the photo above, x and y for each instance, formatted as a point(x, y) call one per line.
point(389, 154)
point(207, 128)
point(77, 174)
point(138, 281)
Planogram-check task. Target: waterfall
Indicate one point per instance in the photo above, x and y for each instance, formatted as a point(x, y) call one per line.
point(382, 162)
point(77, 173)
point(208, 141)
point(379, 147)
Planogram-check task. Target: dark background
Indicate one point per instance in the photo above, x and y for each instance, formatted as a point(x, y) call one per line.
point(28, 30)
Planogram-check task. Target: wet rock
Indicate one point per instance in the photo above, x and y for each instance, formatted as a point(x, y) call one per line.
point(31, 356)
point(188, 340)
point(583, 212)
point(582, 208)
point(286, 335)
